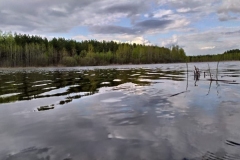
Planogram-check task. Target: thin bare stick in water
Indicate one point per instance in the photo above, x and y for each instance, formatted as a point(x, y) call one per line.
point(195, 83)
point(217, 79)
point(196, 73)
point(187, 77)
point(196, 70)
point(232, 143)
point(217, 70)
point(209, 71)
point(178, 93)
point(209, 87)
point(221, 80)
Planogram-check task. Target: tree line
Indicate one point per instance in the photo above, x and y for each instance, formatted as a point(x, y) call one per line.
point(21, 50)
point(229, 55)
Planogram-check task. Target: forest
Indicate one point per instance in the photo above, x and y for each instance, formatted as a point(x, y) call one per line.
point(22, 50)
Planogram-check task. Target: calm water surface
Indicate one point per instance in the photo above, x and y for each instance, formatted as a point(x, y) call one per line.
point(127, 112)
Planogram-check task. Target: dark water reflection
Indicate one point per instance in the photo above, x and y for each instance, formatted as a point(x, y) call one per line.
point(120, 112)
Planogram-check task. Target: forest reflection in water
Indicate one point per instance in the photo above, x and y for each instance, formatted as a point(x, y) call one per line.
point(120, 112)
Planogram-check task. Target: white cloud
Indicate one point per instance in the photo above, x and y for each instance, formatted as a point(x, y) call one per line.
point(183, 10)
point(117, 38)
point(213, 41)
point(179, 24)
point(139, 40)
point(162, 12)
point(207, 48)
point(170, 42)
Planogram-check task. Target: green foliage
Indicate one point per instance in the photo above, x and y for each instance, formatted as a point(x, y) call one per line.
point(226, 56)
point(69, 61)
point(25, 50)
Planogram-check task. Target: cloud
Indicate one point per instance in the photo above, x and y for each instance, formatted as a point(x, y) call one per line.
point(237, 32)
point(230, 6)
point(184, 10)
point(212, 41)
point(61, 16)
point(229, 10)
point(153, 23)
point(41, 16)
point(122, 38)
point(170, 42)
point(207, 48)
point(162, 13)
point(138, 28)
point(139, 40)
point(192, 10)
point(111, 29)
point(126, 7)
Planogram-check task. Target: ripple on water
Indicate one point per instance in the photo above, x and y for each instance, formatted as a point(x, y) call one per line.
point(18, 84)
point(112, 100)
point(117, 80)
point(42, 81)
point(9, 95)
point(10, 82)
point(40, 85)
point(105, 83)
point(144, 80)
point(55, 91)
point(30, 153)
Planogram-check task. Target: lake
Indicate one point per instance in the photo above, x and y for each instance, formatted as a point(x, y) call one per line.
point(127, 112)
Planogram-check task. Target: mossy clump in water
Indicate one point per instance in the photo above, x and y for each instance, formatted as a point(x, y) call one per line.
point(62, 102)
point(77, 97)
point(44, 108)
point(68, 100)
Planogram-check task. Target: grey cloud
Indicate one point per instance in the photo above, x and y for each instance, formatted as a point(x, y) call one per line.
point(138, 28)
point(128, 8)
point(62, 16)
point(232, 33)
point(192, 4)
point(10, 19)
point(150, 15)
point(111, 29)
point(57, 13)
point(195, 8)
point(231, 8)
point(226, 18)
point(153, 24)
point(186, 3)
point(227, 7)
point(42, 16)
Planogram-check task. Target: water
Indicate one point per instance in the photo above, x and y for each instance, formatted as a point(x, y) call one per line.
point(120, 112)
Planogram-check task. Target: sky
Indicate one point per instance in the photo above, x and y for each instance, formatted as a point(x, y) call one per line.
point(198, 26)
